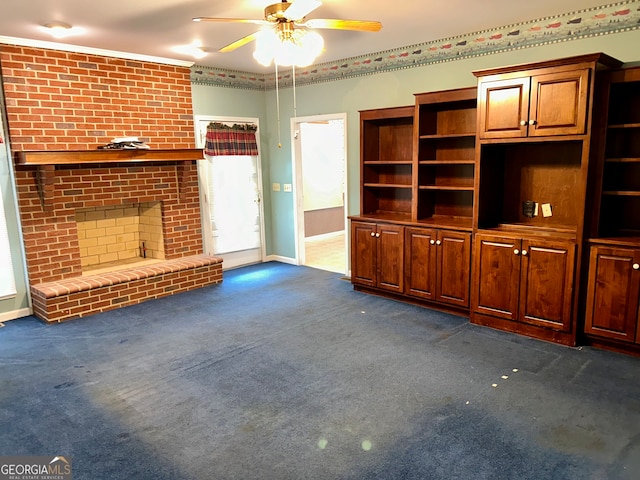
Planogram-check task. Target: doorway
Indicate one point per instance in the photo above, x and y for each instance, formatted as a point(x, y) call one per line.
point(319, 146)
point(230, 199)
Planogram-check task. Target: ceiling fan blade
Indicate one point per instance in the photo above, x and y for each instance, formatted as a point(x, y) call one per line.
point(239, 43)
point(231, 20)
point(360, 25)
point(300, 9)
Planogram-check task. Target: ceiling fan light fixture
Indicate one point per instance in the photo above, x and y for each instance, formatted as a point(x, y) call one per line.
point(288, 47)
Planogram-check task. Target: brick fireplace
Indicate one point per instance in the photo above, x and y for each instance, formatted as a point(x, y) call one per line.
point(77, 202)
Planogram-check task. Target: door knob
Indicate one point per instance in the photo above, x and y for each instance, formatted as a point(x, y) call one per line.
point(524, 253)
point(516, 251)
point(373, 234)
point(432, 242)
point(523, 122)
point(438, 242)
point(636, 266)
point(377, 234)
point(532, 122)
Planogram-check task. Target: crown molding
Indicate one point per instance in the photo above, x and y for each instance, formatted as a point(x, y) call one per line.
point(597, 21)
point(26, 42)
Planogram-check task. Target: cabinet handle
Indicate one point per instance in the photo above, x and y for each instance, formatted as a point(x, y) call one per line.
point(636, 266)
point(377, 234)
point(532, 122)
point(524, 253)
point(373, 234)
point(438, 242)
point(432, 242)
point(523, 122)
point(516, 251)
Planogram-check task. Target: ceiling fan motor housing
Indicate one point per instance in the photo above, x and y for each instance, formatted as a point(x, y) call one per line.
point(275, 12)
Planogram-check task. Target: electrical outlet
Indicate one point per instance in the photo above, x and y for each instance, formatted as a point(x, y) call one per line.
point(287, 187)
point(275, 187)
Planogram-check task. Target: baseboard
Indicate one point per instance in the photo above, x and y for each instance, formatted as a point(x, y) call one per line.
point(278, 258)
point(12, 315)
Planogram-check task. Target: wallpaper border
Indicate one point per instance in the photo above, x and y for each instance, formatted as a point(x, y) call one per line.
point(603, 20)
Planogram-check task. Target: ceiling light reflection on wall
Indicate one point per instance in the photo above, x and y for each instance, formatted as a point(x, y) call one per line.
point(195, 49)
point(288, 47)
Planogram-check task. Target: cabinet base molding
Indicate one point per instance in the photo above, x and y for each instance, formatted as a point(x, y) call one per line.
point(611, 345)
point(413, 301)
point(532, 331)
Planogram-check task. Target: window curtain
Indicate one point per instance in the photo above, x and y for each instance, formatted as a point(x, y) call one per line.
point(239, 139)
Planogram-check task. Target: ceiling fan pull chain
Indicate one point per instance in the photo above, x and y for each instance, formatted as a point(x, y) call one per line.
point(278, 105)
point(295, 106)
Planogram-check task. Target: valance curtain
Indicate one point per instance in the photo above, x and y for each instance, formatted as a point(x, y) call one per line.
point(239, 139)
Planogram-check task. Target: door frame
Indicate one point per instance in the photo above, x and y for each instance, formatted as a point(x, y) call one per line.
point(205, 214)
point(298, 194)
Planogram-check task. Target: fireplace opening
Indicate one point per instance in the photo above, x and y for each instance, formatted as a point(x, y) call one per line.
point(121, 236)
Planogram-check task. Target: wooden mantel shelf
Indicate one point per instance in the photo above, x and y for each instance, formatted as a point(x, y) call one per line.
point(77, 157)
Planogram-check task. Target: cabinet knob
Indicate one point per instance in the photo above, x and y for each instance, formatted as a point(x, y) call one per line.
point(523, 122)
point(524, 253)
point(532, 122)
point(377, 234)
point(373, 234)
point(438, 242)
point(432, 242)
point(516, 251)
point(636, 266)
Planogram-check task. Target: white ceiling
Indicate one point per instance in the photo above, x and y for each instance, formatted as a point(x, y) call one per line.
point(155, 27)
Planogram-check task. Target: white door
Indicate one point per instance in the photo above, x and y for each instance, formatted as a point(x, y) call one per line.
point(230, 194)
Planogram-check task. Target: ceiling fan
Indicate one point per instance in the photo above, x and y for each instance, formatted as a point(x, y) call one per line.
point(285, 16)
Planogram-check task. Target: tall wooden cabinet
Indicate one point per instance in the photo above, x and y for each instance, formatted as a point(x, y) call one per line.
point(417, 176)
point(516, 202)
point(612, 313)
point(532, 163)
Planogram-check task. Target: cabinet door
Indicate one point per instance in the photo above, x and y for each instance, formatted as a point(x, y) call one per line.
point(363, 253)
point(453, 267)
point(559, 103)
point(612, 294)
point(390, 257)
point(420, 263)
point(503, 108)
point(496, 276)
point(546, 284)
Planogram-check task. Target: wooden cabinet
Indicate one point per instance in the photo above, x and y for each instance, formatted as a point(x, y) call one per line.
point(444, 154)
point(529, 281)
point(386, 164)
point(536, 142)
point(437, 265)
point(540, 102)
point(417, 175)
point(613, 280)
point(377, 255)
point(612, 293)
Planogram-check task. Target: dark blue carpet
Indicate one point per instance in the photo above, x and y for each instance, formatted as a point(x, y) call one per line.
point(285, 372)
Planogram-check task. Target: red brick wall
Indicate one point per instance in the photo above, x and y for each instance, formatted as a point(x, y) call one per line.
point(72, 101)
point(68, 101)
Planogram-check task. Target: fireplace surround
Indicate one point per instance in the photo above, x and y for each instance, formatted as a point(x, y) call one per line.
point(56, 189)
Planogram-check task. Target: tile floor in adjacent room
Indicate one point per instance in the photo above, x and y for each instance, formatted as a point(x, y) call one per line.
point(326, 252)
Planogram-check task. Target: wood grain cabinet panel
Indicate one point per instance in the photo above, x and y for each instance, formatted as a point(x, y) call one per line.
point(612, 293)
point(532, 106)
point(377, 258)
point(438, 265)
point(523, 280)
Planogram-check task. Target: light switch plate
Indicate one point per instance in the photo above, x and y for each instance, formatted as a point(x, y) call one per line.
point(546, 210)
point(275, 187)
point(287, 187)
